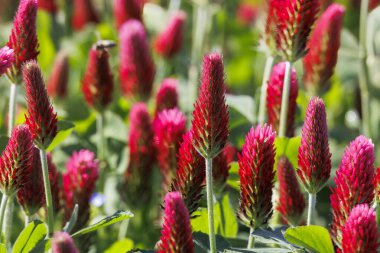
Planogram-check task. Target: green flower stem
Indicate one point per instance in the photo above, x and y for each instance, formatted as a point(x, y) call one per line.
point(2, 212)
point(12, 108)
point(210, 204)
point(251, 239)
point(49, 199)
point(363, 70)
point(311, 208)
point(285, 100)
point(263, 94)
point(101, 139)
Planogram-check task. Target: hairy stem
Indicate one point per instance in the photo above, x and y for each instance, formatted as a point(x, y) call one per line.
point(251, 239)
point(210, 204)
point(263, 93)
point(101, 139)
point(285, 100)
point(49, 199)
point(2, 212)
point(311, 208)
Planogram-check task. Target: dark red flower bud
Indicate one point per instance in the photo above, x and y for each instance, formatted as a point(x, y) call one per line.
point(141, 156)
point(360, 233)
point(353, 183)
point(59, 77)
point(125, 10)
point(256, 172)
point(83, 12)
point(63, 243)
point(291, 204)
point(97, 83)
point(176, 234)
point(170, 41)
point(274, 98)
point(48, 5)
point(167, 95)
point(82, 171)
point(230, 152)
point(190, 177)
point(55, 178)
point(16, 160)
point(42, 119)
point(246, 14)
point(31, 196)
point(210, 116)
point(289, 25)
point(169, 127)
point(314, 157)
point(137, 69)
point(6, 59)
point(320, 61)
point(23, 39)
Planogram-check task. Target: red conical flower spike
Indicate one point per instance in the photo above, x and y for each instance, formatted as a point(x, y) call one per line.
point(210, 116)
point(274, 98)
point(31, 196)
point(48, 5)
point(291, 204)
point(320, 61)
point(190, 177)
point(354, 183)
point(289, 25)
point(176, 234)
point(125, 10)
point(167, 95)
point(137, 69)
point(169, 127)
point(97, 83)
point(42, 119)
point(169, 42)
point(55, 178)
point(360, 233)
point(63, 243)
point(246, 13)
point(23, 39)
point(83, 12)
point(16, 160)
point(6, 59)
point(82, 171)
point(256, 173)
point(314, 157)
point(141, 156)
point(59, 77)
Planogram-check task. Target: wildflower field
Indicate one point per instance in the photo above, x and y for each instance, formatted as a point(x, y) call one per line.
point(193, 126)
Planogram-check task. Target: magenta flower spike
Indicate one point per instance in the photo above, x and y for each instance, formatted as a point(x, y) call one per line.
point(83, 13)
point(167, 95)
point(125, 10)
point(63, 243)
point(58, 82)
point(6, 59)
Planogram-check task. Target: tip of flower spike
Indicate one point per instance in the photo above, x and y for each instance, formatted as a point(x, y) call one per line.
point(167, 95)
point(63, 243)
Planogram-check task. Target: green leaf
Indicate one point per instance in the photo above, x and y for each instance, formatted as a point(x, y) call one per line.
point(116, 217)
point(32, 235)
point(2, 248)
point(289, 148)
point(73, 219)
point(64, 130)
point(202, 244)
point(314, 238)
point(120, 246)
point(3, 141)
point(233, 179)
point(243, 104)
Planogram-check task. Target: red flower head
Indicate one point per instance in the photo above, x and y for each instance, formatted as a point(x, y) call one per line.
point(291, 204)
point(274, 98)
point(125, 10)
point(55, 178)
point(83, 13)
point(42, 119)
point(288, 27)
point(210, 116)
point(320, 61)
point(246, 14)
point(167, 95)
point(169, 42)
point(354, 183)
point(230, 152)
point(63, 243)
point(169, 127)
point(48, 5)
point(360, 233)
point(137, 69)
point(190, 177)
point(59, 77)
point(256, 176)
point(6, 59)
point(31, 196)
point(314, 157)
point(141, 156)
point(23, 39)
point(97, 83)
point(220, 169)
point(16, 160)
point(82, 171)
point(376, 183)
point(176, 234)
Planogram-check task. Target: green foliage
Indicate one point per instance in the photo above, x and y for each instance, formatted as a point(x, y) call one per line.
point(32, 236)
point(289, 148)
point(64, 130)
point(124, 245)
